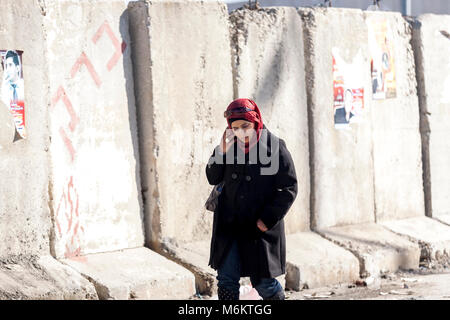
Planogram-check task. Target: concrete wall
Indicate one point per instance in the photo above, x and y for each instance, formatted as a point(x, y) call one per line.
point(431, 44)
point(24, 164)
point(341, 160)
point(73, 186)
point(94, 150)
point(181, 97)
point(27, 271)
point(373, 171)
point(396, 137)
point(268, 62)
point(417, 7)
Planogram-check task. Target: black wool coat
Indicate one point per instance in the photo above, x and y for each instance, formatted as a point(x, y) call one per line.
point(249, 195)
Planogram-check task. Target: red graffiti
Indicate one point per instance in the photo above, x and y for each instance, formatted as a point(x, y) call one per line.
point(68, 215)
point(120, 47)
point(74, 120)
point(61, 93)
point(84, 60)
point(68, 143)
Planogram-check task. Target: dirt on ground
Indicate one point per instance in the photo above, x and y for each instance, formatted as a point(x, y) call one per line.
point(422, 284)
point(403, 285)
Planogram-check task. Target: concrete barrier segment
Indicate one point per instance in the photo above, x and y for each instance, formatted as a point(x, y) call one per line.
point(194, 256)
point(344, 167)
point(342, 187)
point(24, 163)
point(432, 236)
point(42, 278)
point(431, 44)
point(378, 250)
point(95, 182)
point(183, 83)
point(313, 261)
point(138, 273)
point(397, 151)
point(269, 67)
point(399, 178)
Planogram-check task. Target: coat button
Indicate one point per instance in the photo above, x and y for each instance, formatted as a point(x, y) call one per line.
point(234, 175)
point(248, 178)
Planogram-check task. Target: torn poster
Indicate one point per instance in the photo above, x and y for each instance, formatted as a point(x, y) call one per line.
point(348, 90)
point(12, 92)
point(382, 63)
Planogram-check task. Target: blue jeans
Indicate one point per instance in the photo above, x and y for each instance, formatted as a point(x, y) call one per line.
point(228, 276)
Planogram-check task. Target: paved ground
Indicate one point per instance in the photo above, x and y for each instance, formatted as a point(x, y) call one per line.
point(399, 286)
point(423, 284)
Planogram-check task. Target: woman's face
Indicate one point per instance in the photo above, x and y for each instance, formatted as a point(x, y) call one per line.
point(244, 130)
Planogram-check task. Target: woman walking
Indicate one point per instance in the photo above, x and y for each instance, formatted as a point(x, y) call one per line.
point(248, 238)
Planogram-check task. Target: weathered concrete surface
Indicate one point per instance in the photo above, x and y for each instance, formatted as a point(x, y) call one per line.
point(26, 269)
point(183, 85)
point(42, 278)
point(134, 274)
point(341, 160)
point(344, 168)
point(432, 236)
point(194, 256)
point(377, 249)
point(24, 210)
point(431, 42)
point(268, 67)
point(95, 183)
point(183, 78)
point(396, 138)
point(313, 262)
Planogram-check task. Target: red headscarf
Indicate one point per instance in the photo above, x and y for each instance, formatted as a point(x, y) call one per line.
point(248, 110)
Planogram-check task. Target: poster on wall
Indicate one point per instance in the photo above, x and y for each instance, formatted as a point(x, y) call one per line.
point(348, 90)
point(12, 91)
point(382, 62)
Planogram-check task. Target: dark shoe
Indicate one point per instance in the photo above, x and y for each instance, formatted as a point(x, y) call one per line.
point(225, 294)
point(277, 296)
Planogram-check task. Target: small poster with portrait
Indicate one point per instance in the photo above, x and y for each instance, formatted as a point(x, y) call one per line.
point(382, 62)
point(348, 90)
point(12, 91)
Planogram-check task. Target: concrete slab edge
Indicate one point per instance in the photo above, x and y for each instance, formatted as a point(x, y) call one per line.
point(362, 269)
point(427, 252)
point(45, 278)
point(205, 283)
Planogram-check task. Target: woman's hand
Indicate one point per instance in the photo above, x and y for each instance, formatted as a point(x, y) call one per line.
point(261, 225)
point(227, 140)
